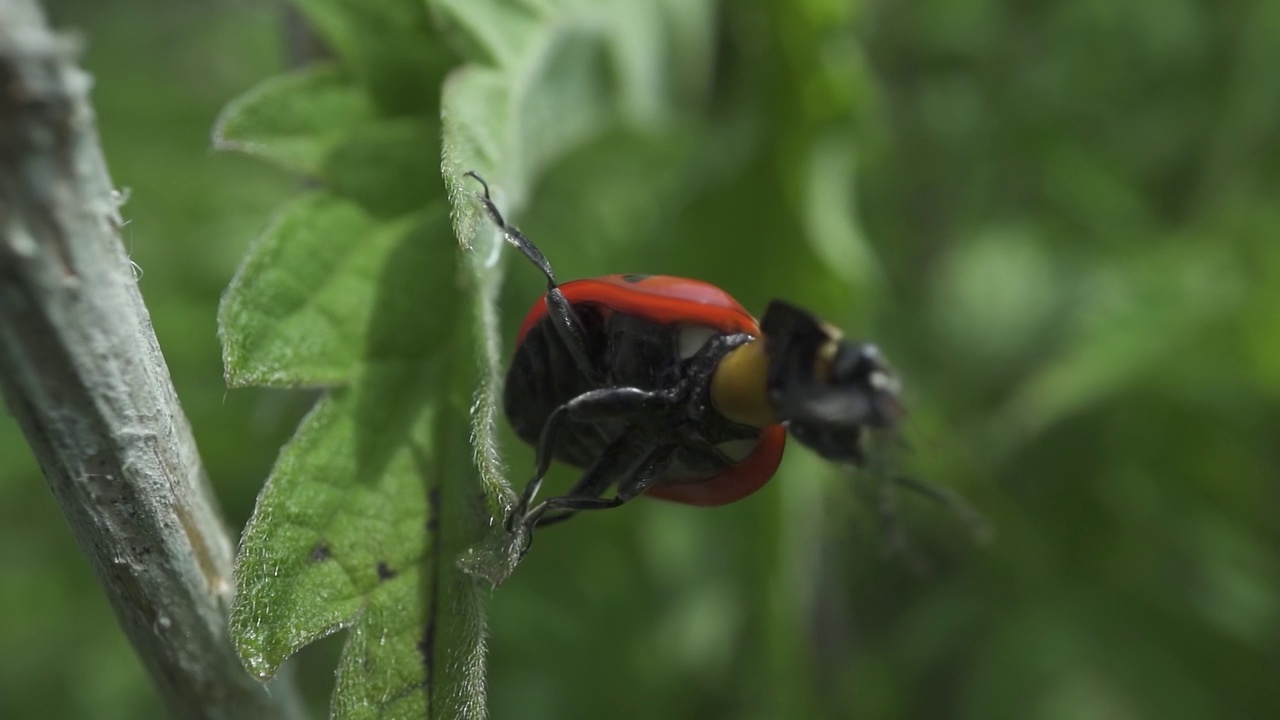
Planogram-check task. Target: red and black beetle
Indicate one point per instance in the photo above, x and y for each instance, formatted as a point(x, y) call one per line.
point(667, 387)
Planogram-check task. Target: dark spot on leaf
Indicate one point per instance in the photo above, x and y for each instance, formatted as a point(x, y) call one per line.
point(427, 648)
point(433, 510)
point(384, 571)
point(320, 552)
point(635, 277)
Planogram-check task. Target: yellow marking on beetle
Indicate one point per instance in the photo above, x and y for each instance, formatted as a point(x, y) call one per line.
point(825, 358)
point(739, 387)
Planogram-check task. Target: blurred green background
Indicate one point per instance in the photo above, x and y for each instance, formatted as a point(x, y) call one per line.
point(1064, 228)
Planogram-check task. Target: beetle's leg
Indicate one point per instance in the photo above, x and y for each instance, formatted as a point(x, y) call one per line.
point(613, 462)
point(893, 538)
point(603, 404)
point(510, 232)
point(556, 518)
point(703, 364)
point(567, 323)
point(646, 471)
point(571, 504)
point(650, 470)
point(949, 499)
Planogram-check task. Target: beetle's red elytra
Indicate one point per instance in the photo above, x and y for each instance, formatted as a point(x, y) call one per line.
point(661, 298)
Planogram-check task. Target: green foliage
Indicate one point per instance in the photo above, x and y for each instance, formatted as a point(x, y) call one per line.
point(298, 311)
point(354, 287)
point(295, 120)
point(1058, 220)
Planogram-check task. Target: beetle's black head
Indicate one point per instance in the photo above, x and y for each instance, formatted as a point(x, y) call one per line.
point(827, 390)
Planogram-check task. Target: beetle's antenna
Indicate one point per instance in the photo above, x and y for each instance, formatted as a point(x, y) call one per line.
point(511, 233)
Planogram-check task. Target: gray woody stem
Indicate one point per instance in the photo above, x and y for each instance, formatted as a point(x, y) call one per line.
point(82, 373)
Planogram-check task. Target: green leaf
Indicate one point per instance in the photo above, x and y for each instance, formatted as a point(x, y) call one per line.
point(356, 288)
point(317, 123)
point(565, 72)
point(390, 47)
point(294, 120)
point(491, 31)
point(469, 143)
point(390, 168)
point(369, 503)
point(297, 312)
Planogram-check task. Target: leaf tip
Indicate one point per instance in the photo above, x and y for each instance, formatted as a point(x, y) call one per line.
point(222, 138)
point(249, 644)
point(496, 556)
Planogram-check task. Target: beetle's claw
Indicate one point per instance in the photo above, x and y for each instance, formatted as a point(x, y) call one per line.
point(476, 176)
